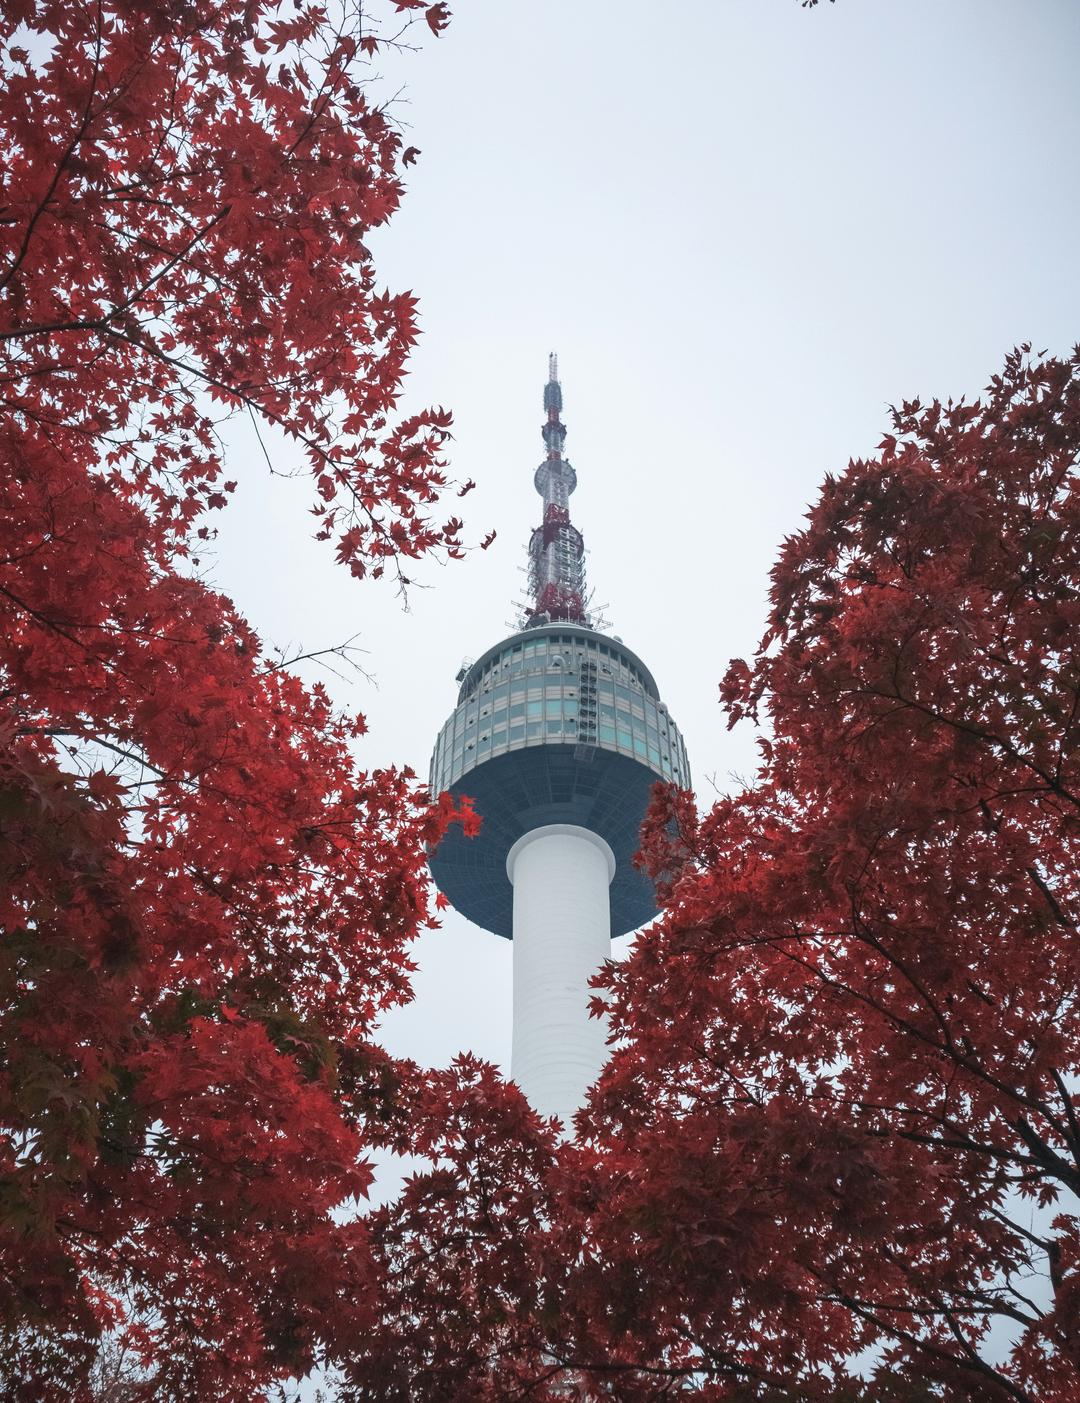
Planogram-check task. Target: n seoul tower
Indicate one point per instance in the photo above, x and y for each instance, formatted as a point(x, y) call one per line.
point(558, 736)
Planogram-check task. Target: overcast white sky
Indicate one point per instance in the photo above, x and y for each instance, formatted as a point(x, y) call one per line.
point(746, 228)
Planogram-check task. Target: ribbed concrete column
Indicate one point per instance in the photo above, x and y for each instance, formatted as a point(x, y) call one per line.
point(562, 935)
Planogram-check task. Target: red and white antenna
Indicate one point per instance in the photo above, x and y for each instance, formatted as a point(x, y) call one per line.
point(556, 548)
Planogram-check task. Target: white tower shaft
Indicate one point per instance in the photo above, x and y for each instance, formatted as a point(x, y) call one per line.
point(562, 935)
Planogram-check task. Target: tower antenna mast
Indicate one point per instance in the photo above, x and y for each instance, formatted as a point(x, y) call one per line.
point(556, 547)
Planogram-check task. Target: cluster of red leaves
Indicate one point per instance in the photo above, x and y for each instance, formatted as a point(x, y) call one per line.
point(470, 1283)
point(847, 1115)
point(841, 1133)
point(204, 900)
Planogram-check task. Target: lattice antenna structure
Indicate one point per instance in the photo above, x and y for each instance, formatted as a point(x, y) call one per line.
point(556, 548)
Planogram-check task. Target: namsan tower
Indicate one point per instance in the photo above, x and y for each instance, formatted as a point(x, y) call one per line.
point(558, 736)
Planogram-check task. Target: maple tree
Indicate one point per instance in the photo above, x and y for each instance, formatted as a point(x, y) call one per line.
point(205, 899)
point(846, 1114)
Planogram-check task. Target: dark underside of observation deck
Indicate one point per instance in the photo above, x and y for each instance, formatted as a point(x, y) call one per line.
point(526, 789)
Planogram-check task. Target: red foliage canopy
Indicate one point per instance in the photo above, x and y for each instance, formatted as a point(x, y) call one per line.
point(847, 1115)
point(204, 899)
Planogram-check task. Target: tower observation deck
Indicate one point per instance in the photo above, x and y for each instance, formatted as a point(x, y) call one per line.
point(558, 736)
